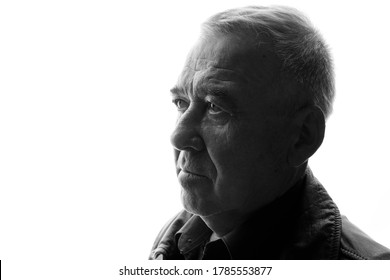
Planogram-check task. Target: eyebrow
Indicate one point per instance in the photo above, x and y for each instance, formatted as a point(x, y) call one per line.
point(176, 90)
point(213, 91)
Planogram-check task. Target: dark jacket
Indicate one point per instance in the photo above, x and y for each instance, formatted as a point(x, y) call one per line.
point(303, 224)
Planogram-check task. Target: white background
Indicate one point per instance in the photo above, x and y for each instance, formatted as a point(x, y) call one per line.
point(87, 176)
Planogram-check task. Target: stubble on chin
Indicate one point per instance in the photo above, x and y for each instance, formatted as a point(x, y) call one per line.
point(196, 205)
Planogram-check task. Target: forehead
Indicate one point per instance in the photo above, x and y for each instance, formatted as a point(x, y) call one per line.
point(229, 60)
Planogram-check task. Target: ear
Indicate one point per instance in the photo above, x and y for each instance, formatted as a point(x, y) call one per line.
point(308, 134)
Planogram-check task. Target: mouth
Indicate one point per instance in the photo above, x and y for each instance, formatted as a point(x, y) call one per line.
point(192, 173)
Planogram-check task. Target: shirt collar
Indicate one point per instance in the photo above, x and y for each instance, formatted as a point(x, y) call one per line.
point(193, 234)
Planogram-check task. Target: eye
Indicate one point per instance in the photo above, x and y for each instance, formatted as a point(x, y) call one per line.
point(180, 104)
point(214, 109)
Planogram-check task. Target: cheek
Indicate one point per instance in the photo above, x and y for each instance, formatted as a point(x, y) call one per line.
point(219, 139)
point(241, 148)
point(230, 148)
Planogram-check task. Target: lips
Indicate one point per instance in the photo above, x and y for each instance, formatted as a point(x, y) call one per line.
point(191, 165)
point(192, 172)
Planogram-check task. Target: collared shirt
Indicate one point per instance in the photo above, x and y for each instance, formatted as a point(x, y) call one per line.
point(304, 223)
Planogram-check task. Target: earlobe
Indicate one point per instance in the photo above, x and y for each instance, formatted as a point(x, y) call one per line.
point(308, 134)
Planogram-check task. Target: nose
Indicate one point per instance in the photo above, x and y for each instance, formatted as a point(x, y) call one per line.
point(186, 135)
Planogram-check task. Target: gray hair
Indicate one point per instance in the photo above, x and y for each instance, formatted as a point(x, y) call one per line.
point(304, 55)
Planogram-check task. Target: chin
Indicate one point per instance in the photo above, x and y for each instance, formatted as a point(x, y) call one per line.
point(197, 206)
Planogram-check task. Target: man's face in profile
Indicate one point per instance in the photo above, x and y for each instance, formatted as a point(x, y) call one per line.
point(230, 143)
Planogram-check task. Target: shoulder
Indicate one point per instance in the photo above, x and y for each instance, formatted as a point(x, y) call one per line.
point(356, 245)
point(165, 240)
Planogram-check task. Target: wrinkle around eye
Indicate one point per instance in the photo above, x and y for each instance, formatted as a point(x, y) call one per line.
point(215, 109)
point(180, 104)
point(218, 115)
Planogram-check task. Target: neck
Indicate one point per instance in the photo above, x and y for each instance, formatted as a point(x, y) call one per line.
point(224, 222)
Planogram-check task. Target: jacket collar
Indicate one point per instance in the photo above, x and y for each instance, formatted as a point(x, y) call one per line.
point(317, 230)
point(305, 223)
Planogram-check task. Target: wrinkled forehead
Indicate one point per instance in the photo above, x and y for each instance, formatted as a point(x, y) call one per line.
point(201, 71)
point(232, 57)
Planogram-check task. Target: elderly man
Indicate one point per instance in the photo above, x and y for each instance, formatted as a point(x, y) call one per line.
point(252, 101)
